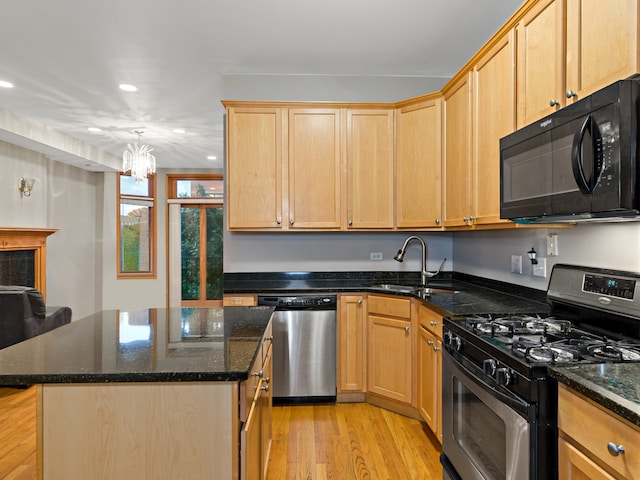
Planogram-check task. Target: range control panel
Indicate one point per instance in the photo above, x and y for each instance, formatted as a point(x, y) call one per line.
point(611, 286)
point(327, 302)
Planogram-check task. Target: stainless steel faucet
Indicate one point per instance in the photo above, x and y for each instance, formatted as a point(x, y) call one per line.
point(424, 273)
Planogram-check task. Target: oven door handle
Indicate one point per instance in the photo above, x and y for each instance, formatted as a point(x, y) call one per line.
point(512, 401)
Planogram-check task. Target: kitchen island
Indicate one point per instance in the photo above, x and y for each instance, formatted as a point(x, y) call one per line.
point(144, 394)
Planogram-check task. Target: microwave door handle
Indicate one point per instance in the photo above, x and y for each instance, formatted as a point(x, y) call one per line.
point(576, 157)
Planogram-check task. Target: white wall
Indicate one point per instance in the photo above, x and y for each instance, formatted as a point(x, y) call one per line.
point(605, 245)
point(63, 198)
point(326, 252)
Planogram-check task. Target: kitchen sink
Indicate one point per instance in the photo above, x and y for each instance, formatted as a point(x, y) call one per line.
point(414, 289)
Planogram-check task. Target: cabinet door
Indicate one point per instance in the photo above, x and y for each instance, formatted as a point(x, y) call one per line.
point(314, 168)
point(494, 78)
point(266, 418)
point(429, 379)
point(370, 169)
point(389, 350)
point(602, 44)
point(351, 338)
point(254, 168)
point(540, 39)
point(575, 465)
point(419, 165)
point(457, 154)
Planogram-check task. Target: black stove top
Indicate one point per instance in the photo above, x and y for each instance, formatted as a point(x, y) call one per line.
point(540, 338)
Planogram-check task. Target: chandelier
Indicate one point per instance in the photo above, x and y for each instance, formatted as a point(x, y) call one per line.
point(138, 160)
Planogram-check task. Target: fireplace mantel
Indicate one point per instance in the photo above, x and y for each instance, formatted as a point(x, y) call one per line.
point(29, 239)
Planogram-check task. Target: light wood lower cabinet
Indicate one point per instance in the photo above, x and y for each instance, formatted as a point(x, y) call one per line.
point(389, 369)
point(351, 343)
point(430, 368)
point(586, 430)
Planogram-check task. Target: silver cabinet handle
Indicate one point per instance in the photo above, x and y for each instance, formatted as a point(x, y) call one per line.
point(406, 328)
point(571, 93)
point(291, 221)
point(429, 342)
point(266, 380)
point(257, 374)
point(553, 102)
point(359, 301)
point(435, 349)
point(465, 219)
point(350, 222)
point(472, 218)
point(265, 388)
point(432, 323)
point(278, 221)
point(614, 449)
point(437, 221)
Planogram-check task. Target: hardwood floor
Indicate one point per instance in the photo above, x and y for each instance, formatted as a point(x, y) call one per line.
point(311, 442)
point(350, 441)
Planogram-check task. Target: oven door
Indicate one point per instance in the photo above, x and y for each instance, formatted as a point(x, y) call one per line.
point(485, 432)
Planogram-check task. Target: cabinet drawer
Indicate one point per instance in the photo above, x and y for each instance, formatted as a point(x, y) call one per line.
point(592, 428)
point(390, 306)
point(430, 320)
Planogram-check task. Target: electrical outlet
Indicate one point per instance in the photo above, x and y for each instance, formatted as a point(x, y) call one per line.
point(552, 245)
point(540, 269)
point(375, 256)
point(516, 264)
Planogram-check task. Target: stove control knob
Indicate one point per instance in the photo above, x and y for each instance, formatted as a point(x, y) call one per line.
point(490, 366)
point(448, 339)
point(457, 343)
point(505, 376)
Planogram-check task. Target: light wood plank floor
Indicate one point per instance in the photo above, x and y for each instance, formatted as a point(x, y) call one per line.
point(311, 442)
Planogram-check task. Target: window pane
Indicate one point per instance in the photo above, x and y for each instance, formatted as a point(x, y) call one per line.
point(190, 253)
point(135, 245)
point(214, 253)
point(128, 186)
point(200, 188)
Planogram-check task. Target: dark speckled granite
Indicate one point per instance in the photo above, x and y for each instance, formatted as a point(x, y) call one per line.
point(615, 386)
point(475, 294)
point(154, 345)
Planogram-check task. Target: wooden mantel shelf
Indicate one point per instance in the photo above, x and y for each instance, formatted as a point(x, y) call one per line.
point(16, 238)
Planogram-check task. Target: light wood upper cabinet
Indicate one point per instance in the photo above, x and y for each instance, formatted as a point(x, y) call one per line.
point(568, 49)
point(602, 44)
point(370, 148)
point(540, 39)
point(314, 168)
point(457, 153)
point(494, 116)
point(419, 164)
point(254, 168)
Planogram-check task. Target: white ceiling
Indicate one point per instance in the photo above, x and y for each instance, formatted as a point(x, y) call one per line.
point(66, 59)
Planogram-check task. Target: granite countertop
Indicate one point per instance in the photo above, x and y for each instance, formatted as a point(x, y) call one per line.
point(615, 386)
point(149, 345)
point(474, 295)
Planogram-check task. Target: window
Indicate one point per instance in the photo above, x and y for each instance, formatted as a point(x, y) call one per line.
point(136, 227)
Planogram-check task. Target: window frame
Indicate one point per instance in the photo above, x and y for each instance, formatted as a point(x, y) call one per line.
point(152, 273)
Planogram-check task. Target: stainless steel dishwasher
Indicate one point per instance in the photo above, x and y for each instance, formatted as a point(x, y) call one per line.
point(304, 348)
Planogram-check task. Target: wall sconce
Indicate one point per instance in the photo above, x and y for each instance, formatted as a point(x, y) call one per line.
point(25, 185)
point(532, 256)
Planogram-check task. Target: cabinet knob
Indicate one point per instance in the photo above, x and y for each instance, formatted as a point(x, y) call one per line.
point(265, 388)
point(465, 219)
point(437, 221)
point(553, 102)
point(359, 301)
point(258, 374)
point(614, 449)
point(429, 342)
point(406, 328)
point(291, 221)
point(571, 93)
point(436, 348)
point(432, 323)
point(350, 222)
point(267, 379)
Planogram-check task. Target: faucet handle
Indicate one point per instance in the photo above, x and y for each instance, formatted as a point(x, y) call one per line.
point(433, 274)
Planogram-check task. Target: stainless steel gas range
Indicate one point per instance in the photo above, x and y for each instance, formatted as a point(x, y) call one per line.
point(499, 404)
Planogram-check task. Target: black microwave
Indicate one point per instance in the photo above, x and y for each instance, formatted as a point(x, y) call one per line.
point(578, 164)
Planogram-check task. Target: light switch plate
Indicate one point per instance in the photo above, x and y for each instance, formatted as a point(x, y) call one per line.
point(375, 255)
point(516, 264)
point(552, 245)
point(540, 269)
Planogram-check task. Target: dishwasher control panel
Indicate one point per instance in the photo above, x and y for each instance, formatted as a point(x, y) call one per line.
point(325, 302)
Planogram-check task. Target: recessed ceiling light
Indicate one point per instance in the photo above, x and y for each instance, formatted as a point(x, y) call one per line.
point(211, 157)
point(94, 129)
point(5, 84)
point(128, 88)
point(179, 130)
